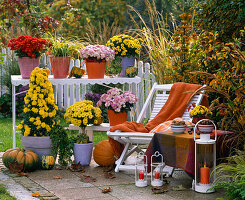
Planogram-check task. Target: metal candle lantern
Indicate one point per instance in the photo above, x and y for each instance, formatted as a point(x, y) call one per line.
point(205, 160)
point(156, 169)
point(141, 170)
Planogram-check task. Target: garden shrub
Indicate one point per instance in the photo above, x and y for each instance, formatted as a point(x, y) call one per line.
point(76, 14)
point(226, 17)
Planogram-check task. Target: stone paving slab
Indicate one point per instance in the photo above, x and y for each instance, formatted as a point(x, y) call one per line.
point(15, 189)
point(70, 186)
point(81, 193)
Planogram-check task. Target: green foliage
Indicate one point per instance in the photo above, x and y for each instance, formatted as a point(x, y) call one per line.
point(180, 51)
point(234, 190)
point(82, 139)
point(77, 13)
point(63, 47)
point(25, 18)
point(226, 17)
point(115, 66)
point(62, 145)
point(157, 42)
point(4, 194)
point(235, 170)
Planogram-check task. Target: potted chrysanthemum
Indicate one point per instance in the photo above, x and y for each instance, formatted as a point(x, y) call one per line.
point(39, 114)
point(95, 57)
point(118, 104)
point(126, 47)
point(81, 114)
point(28, 50)
point(201, 112)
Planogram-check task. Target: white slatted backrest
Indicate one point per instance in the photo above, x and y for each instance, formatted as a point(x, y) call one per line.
point(160, 100)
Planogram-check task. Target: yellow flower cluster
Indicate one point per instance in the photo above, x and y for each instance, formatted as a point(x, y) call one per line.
point(82, 113)
point(124, 45)
point(199, 111)
point(40, 109)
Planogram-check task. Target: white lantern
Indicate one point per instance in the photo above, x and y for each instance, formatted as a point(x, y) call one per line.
point(156, 169)
point(141, 170)
point(205, 159)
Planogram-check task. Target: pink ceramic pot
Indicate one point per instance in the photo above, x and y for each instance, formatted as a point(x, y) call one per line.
point(26, 65)
point(60, 66)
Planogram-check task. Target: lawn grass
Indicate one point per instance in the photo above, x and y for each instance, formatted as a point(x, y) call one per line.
point(4, 194)
point(6, 136)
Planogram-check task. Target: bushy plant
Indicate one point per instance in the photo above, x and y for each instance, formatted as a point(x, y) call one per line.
point(117, 100)
point(226, 17)
point(234, 170)
point(27, 46)
point(125, 45)
point(81, 114)
point(40, 109)
point(97, 52)
point(75, 15)
point(63, 47)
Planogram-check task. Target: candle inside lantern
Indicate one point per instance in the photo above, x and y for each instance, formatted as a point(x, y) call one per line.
point(157, 175)
point(204, 174)
point(141, 175)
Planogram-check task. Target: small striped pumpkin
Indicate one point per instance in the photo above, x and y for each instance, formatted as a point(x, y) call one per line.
point(48, 162)
point(76, 72)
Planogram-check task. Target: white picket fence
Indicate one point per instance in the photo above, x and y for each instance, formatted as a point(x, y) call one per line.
point(66, 95)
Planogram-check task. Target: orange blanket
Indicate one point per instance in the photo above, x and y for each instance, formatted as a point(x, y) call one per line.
point(174, 107)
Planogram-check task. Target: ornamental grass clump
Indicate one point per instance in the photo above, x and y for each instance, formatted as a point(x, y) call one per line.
point(39, 109)
point(81, 114)
point(27, 46)
point(97, 53)
point(125, 45)
point(117, 100)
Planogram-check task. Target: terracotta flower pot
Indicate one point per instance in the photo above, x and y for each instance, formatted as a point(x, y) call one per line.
point(60, 66)
point(116, 118)
point(95, 69)
point(26, 65)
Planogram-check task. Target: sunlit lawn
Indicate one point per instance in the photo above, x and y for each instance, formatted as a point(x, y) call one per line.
point(6, 135)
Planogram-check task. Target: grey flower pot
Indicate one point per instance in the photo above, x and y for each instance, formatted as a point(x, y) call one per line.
point(83, 153)
point(42, 146)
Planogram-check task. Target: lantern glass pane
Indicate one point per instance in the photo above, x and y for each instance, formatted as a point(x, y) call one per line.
point(205, 163)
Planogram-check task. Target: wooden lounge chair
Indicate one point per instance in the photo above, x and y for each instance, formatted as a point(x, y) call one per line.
point(159, 95)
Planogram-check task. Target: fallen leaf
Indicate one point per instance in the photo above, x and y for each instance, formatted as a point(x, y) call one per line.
point(35, 194)
point(15, 167)
point(77, 168)
point(159, 190)
point(178, 188)
point(22, 173)
point(106, 190)
point(57, 177)
point(109, 168)
point(88, 179)
point(109, 175)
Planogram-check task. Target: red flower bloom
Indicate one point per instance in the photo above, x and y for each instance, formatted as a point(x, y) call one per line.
point(27, 46)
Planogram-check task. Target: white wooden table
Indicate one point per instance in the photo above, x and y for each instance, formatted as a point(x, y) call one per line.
point(68, 91)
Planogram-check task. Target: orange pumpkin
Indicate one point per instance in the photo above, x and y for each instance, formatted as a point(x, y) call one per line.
point(103, 154)
point(28, 158)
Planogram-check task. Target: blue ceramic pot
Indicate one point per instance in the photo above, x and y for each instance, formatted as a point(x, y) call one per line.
point(126, 62)
point(83, 153)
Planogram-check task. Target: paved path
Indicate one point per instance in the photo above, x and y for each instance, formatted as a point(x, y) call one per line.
point(70, 186)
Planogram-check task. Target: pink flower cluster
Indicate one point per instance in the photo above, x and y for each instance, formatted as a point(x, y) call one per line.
point(99, 52)
point(117, 100)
